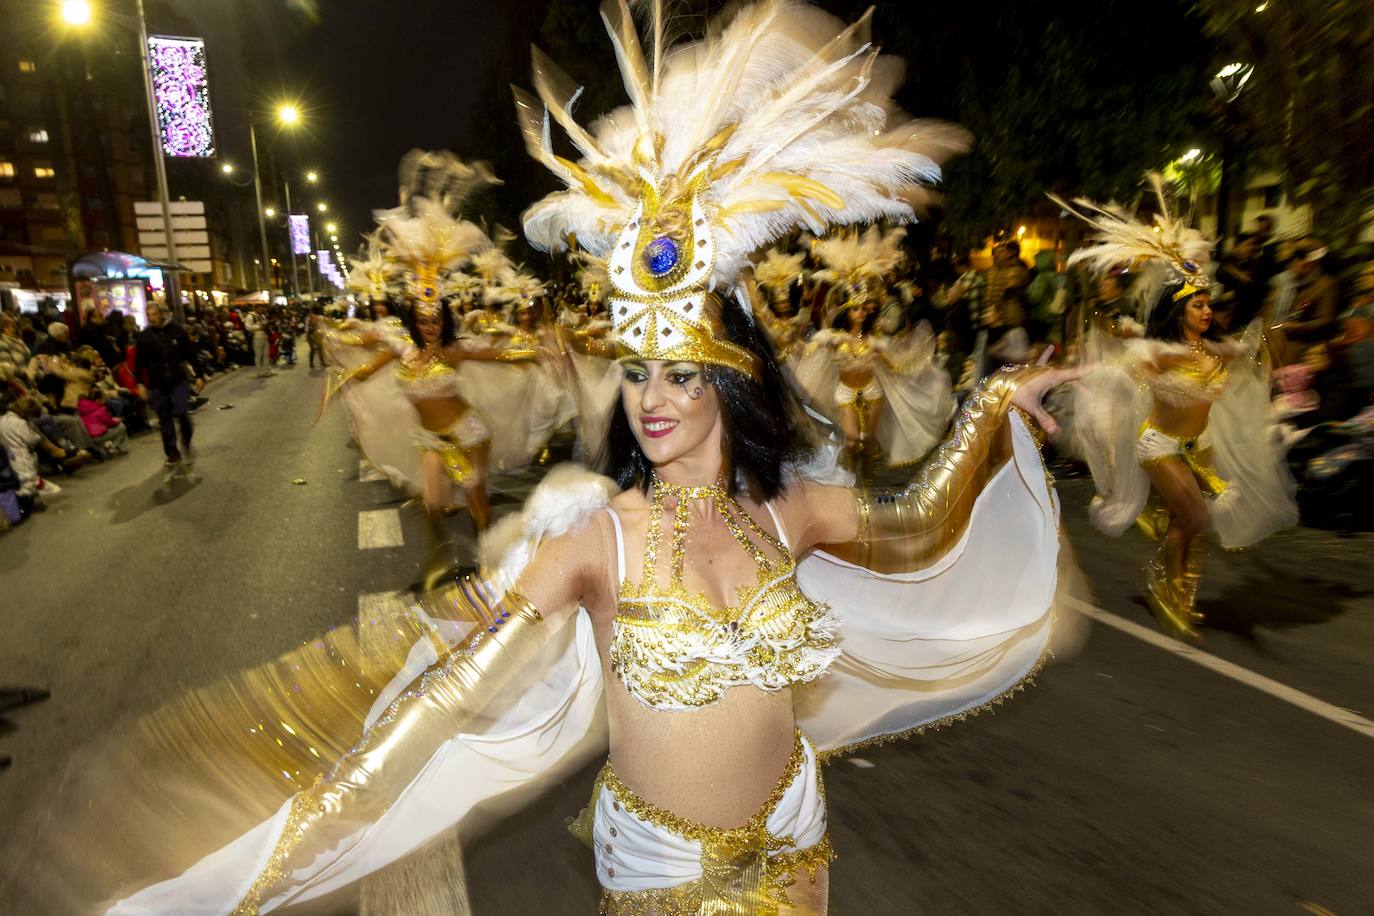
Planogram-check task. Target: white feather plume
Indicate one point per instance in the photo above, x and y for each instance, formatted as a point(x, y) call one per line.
point(779, 270)
point(1164, 251)
point(812, 137)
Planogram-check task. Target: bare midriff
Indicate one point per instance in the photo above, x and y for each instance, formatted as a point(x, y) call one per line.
point(1183, 421)
point(715, 765)
point(856, 378)
point(439, 414)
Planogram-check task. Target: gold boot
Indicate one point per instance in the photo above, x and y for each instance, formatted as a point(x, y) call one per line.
point(1168, 604)
point(439, 563)
point(1188, 583)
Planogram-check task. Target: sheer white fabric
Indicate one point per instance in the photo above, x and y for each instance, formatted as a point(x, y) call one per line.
point(917, 650)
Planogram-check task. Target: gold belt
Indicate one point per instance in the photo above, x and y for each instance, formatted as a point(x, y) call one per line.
point(738, 876)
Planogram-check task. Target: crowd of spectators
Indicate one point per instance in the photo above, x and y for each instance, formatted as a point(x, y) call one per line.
point(68, 399)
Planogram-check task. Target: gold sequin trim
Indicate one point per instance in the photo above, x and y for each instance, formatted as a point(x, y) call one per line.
point(781, 866)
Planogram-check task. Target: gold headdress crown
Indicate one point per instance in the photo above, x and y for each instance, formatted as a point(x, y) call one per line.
point(660, 274)
point(1165, 251)
point(780, 118)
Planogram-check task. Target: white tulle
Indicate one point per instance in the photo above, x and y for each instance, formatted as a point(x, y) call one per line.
point(917, 401)
point(917, 649)
point(1109, 408)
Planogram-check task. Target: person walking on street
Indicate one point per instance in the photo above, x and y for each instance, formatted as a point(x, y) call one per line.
point(165, 362)
point(255, 325)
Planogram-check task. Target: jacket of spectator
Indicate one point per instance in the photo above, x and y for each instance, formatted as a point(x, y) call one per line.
point(163, 354)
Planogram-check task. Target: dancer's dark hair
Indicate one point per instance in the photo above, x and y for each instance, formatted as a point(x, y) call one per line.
point(1166, 318)
point(447, 331)
point(762, 418)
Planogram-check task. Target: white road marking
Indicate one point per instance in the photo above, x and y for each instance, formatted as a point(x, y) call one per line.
point(379, 528)
point(1348, 718)
point(367, 473)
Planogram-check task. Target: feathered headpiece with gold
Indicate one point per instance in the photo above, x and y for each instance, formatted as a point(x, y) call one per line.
point(592, 275)
point(781, 118)
point(1164, 252)
point(777, 271)
point(370, 275)
point(424, 237)
point(857, 261)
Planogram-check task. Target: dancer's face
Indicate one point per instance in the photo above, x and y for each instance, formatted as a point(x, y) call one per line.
point(673, 410)
point(1197, 314)
point(430, 326)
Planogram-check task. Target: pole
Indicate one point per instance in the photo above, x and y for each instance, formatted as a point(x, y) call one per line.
point(310, 271)
point(291, 243)
point(262, 220)
point(160, 166)
point(1224, 186)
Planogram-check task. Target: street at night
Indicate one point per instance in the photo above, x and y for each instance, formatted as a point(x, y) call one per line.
point(686, 458)
point(1134, 777)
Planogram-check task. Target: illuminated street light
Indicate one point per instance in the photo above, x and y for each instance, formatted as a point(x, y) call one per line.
point(1190, 156)
point(322, 206)
point(269, 213)
point(288, 114)
point(227, 168)
point(331, 228)
point(312, 176)
point(76, 12)
point(1020, 232)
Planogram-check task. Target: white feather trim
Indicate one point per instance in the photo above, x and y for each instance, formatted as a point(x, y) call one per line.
point(563, 501)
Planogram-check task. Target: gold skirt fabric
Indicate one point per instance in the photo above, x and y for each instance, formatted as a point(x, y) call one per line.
point(651, 861)
point(455, 446)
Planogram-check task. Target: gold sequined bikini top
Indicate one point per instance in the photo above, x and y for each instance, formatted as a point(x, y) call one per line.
point(851, 354)
point(676, 650)
point(1192, 381)
point(435, 377)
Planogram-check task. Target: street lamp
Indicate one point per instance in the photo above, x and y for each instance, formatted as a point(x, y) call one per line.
point(312, 176)
point(287, 116)
point(227, 168)
point(331, 228)
point(269, 213)
point(78, 13)
point(322, 207)
point(1227, 86)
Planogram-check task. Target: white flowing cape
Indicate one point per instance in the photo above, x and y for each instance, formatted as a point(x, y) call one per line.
point(917, 402)
point(918, 650)
point(1109, 407)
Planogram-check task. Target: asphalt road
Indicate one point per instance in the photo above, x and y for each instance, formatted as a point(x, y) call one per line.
point(1131, 779)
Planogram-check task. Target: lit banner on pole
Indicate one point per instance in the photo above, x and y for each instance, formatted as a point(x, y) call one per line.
point(182, 89)
point(323, 257)
point(300, 233)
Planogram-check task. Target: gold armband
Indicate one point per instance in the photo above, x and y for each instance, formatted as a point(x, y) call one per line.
point(912, 528)
point(507, 636)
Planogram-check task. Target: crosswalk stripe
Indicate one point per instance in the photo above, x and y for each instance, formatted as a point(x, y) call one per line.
point(379, 528)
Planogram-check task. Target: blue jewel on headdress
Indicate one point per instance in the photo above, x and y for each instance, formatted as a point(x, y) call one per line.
point(429, 292)
point(1190, 266)
point(661, 256)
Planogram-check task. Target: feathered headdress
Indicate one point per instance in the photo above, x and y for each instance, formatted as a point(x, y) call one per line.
point(1166, 252)
point(425, 235)
point(515, 289)
point(781, 118)
point(857, 262)
point(592, 276)
point(778, 271)
point(370, 275)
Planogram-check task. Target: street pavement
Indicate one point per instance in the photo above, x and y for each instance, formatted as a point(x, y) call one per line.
point(1134, 777)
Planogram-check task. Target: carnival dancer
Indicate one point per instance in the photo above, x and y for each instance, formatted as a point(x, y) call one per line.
point(683, 610)
point(879, 388)
point(1183, 409)
point(422, 243)
point(777, 274)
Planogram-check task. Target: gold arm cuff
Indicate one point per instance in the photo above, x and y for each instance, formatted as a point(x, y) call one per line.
point(435, 707)
point(912, 528)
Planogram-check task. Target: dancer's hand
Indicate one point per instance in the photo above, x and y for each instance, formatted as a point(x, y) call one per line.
point(1030, 396)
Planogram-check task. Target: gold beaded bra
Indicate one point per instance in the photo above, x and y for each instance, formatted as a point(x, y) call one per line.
point(422, 378)
point(676, 650)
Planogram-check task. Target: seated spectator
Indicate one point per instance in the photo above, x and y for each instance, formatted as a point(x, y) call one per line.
point(109, 434)
point(13, 350)
point(56, 343)
point(24, 443)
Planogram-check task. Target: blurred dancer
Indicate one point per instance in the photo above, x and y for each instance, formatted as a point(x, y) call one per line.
point(1184, 410)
